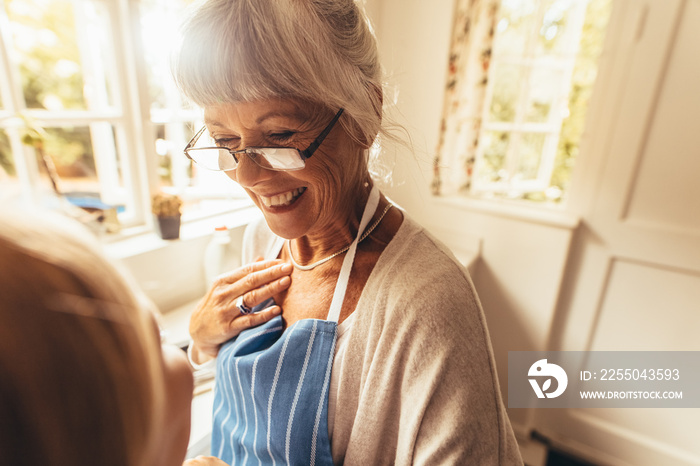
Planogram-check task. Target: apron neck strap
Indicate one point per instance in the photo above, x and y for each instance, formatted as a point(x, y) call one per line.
point(344, 277)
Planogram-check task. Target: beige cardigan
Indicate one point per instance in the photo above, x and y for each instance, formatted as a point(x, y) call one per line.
point(418, 382)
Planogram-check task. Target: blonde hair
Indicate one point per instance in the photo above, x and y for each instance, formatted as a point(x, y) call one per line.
point(79, 355)
point(318, 51)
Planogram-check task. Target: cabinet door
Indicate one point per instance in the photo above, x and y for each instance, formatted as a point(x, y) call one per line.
point(634, 275)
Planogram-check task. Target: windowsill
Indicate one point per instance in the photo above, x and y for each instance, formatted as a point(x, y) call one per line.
point(138, 240)
point(543, 215)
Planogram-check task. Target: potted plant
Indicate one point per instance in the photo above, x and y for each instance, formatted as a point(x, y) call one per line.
point(166, 209)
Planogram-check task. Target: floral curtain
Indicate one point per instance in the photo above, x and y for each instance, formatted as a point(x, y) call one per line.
point(465, 91)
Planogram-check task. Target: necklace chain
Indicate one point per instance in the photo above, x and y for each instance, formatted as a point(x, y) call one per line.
point(326, 259)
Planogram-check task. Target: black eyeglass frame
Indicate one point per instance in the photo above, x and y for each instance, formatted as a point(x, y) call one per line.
point(304, 154)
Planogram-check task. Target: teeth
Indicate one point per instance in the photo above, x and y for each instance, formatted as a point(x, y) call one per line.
point(283, 199)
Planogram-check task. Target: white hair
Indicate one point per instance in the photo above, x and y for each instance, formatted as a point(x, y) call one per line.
point(321, 52)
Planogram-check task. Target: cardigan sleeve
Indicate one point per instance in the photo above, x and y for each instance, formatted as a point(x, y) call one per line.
point(426, 378)
point(449, 374)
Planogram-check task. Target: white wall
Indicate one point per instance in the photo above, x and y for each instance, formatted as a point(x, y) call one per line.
point(523, 252)
point(413, 38)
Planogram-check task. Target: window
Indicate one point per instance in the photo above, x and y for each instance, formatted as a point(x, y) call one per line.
point(540, 61)
point(88, 109)
point(172, 123)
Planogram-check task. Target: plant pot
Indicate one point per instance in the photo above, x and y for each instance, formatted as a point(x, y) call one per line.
point(168, 227)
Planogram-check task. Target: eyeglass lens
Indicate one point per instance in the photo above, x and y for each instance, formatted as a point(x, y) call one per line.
point(270, 158)
point(204, 151)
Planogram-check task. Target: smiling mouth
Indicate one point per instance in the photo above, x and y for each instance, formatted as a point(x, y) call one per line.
point(284, 199)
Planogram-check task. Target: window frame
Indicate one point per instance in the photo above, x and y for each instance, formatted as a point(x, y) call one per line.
point(133, 120)
point(530, 63)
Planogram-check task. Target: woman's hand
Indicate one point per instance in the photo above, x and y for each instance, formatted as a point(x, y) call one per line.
point(217, 319)
point(204, 461)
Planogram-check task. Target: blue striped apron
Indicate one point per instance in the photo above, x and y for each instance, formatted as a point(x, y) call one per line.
point(271, 390)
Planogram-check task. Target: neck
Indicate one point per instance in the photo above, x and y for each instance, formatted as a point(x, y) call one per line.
point(335, 234)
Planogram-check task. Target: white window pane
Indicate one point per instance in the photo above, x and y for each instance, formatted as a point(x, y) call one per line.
point(514, 27)
point(174, 169)
point(83, 164)
point(507, 84)
point(541, 81)
point(203, 191)
point(160, 20)
point(582, 81)
point(7, 164)
point(493, 160)
point(175, 121)
point(529, 151)
point(62, 66)
point(70, 152)
point(10, 187)
point(545, 87)
point(559, 28)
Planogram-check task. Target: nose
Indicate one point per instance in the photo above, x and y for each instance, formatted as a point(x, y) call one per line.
point(248, 173)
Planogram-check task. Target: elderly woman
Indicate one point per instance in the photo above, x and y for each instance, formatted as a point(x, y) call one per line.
point(352, 336)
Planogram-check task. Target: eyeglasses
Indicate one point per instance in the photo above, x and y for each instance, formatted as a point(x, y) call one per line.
point(270, 158)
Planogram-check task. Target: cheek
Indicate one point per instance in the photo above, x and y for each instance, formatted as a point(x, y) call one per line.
point(334, 168)
point(326, 182)
point(338, 177)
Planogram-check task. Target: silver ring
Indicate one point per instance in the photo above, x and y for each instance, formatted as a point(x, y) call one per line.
point(242, 307)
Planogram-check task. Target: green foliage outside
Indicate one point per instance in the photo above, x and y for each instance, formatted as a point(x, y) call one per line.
point(585, 72)
point(495, 152)
point(51, 67)
point(513, 31)
point(45, 42)
point(6, 162)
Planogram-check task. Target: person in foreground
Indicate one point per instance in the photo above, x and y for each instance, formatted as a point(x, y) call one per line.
point(351, 336)
point(84, 379)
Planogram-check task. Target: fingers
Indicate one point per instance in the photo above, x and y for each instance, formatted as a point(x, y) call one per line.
point(217, 318)
point(209, 347)
point(259, 278)
point(249, 269)
point(258, 285)
point(243, 322)
point(258, 295)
